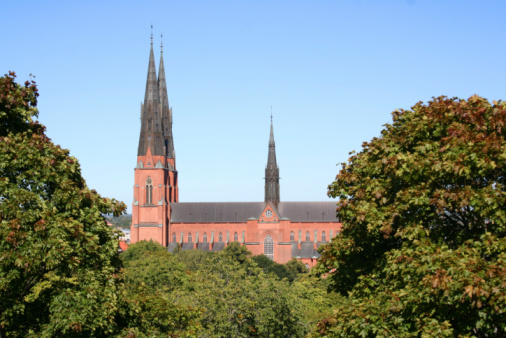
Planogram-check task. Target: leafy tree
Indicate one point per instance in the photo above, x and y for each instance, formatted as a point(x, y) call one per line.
point(422, 250)
point(58, 258)
point(237, 252)
point(192, 259)
point(238, 302)
point(152, 275)
point(140, 249)
point(290, 270)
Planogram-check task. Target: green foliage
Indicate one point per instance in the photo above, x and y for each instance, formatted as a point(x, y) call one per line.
point(121, 221)
point(237, 252)
point(422, 250)
point(291, 270)
point(140, 249)
point(59, 267)
point(193, 259)
point(222, 294)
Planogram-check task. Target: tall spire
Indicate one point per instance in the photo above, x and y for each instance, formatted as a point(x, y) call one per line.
point(151, 126)
point(272, 173)
point(166, 111)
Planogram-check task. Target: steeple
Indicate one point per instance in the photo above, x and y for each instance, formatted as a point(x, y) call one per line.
point(166, 110)
point(151, 125)
point(272, 173)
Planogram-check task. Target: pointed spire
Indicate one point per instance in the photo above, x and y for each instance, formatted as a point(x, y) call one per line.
point(272, 172)
point(166, 111)
point(151, 125)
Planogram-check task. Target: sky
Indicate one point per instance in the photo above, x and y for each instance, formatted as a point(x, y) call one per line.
point(332, 71)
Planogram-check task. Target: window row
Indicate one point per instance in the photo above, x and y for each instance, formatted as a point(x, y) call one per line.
point(308, 236)
point(204, 237)
point(323, 237)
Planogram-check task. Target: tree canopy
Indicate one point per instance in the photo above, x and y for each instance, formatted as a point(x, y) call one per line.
point(58, 258)
point(422, 250)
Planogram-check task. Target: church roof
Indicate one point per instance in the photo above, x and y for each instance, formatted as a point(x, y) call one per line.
point(230, 212)
point(306, 250)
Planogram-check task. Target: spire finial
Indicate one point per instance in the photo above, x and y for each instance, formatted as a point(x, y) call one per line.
point(161, 43)
point(151, 34)
point(271, 114)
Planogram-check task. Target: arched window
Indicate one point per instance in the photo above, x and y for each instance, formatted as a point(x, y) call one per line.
point(149, 191)
point(190, 237)
point(205, 237)
point(220, 237)
point(174, 237)
point(307, 266)
point(307, 236)
point(269, 247)
point(236, 237)
point(324, 236)
point(292, 236)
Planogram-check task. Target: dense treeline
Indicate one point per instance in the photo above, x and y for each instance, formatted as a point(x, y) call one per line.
point(228, 293)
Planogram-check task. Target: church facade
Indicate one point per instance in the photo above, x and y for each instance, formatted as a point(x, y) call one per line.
point(280, 230)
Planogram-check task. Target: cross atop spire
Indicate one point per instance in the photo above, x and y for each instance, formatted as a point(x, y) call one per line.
point(151, 34)
point(161, 43)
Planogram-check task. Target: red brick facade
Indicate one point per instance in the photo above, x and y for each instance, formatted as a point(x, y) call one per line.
point(281, 230)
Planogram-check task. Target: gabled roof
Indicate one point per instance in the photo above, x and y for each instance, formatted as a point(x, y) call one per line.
point(309, 211)
point(224, 212)
point(201, 212)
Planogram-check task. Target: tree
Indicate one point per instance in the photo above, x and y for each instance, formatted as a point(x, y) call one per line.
point(423, 249)
point(237, 252)
point(59, 266)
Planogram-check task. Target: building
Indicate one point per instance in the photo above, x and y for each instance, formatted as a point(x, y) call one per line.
point(280, 230)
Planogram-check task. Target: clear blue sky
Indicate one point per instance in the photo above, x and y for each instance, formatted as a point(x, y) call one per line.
point(333, 71)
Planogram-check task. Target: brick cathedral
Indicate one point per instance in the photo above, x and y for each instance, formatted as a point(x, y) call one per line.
point(280, 230)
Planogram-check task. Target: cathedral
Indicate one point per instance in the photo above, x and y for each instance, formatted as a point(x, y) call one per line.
point(280, 230)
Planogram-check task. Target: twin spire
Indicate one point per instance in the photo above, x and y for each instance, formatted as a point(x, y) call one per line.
point(156, 114)
point(156, 127)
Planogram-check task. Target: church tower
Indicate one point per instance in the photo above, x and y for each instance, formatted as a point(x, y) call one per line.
point(155, 174)
point(272, 173)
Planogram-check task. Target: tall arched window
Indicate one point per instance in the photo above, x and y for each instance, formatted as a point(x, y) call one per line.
point(205, 237)
point(220, 237)
point(269, 247)
point(236, 237)
point(149, 191)
point(292, 236)
point(190, 237)
point(324, 236)
point(307, 236)
point(174, 237)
